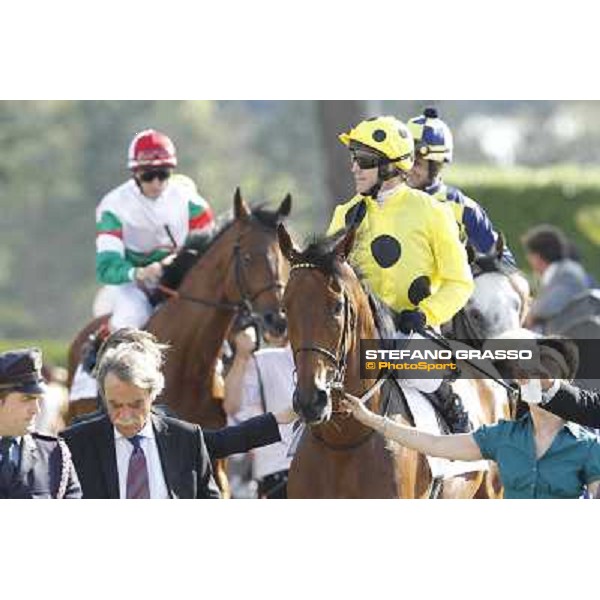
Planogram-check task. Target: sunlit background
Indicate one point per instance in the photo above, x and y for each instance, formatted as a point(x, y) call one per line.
point(525, 162)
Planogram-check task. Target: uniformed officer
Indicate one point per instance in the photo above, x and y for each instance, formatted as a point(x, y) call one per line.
point(31, 465)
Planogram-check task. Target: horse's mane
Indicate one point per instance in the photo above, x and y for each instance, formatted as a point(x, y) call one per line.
point(197, 245)
point(320, 252)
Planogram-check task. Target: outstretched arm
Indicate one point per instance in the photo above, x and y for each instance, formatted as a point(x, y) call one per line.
point(454, 447)
point(253, 433)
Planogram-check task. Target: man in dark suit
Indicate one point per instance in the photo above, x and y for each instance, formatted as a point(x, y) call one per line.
point(31, 465)
point(133, 452)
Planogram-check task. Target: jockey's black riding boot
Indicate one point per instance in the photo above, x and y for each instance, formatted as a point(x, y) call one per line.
point(453, 410)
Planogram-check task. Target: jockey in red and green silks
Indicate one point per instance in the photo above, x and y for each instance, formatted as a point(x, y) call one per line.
point(143, 222)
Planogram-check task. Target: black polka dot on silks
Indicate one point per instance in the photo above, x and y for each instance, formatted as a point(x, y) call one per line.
point(419, 289)
point(379, 135)
point(386, 250)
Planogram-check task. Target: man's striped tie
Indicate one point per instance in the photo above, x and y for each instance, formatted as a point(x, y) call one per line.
point(138, 485)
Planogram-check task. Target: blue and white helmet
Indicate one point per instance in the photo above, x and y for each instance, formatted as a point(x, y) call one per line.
point(433, 138)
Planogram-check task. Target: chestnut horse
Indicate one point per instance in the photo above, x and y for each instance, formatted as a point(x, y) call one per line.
point(329, 312)
point(241, 270)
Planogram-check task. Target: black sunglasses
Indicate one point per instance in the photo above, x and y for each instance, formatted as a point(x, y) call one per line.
point(365, 160)
point(148, 176)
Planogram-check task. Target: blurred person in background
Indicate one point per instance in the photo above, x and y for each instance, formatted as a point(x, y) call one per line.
point(434, 149)
point(573, 254)
point(259, 382)
point(561, 278)
point(54, 404)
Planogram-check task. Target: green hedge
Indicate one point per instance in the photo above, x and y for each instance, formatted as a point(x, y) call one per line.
point(54, 351)
point(518, 198)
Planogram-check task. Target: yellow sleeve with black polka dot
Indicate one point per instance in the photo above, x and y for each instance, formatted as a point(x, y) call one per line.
point(456, 281)
point(408, 249)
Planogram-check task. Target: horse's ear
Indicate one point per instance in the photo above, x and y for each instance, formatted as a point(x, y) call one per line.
point(240, 209)
point(288, 248)
point(285, 207)
point(345, 244)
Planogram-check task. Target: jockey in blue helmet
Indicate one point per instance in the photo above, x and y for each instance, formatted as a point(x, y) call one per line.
point(434, 148)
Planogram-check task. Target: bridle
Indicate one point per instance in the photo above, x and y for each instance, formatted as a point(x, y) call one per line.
point(244, 307)
point(338, 360)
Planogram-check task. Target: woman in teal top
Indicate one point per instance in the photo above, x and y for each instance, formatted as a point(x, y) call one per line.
point(539, 455)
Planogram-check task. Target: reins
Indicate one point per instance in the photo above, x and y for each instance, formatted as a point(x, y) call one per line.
point(245, 305)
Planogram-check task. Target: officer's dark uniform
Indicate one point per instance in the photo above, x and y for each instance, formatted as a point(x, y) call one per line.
point(43, 467)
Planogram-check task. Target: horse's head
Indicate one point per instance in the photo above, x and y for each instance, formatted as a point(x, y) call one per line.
point(255, 277)
point(320, 304)
point(245, 256)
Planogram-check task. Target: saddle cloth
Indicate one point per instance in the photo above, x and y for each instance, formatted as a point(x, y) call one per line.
point(425, 419)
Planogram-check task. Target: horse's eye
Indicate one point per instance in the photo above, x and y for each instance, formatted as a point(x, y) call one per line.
point(337, 308)
point(247, 258)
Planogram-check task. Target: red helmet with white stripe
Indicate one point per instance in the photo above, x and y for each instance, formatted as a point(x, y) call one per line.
point(150, 148)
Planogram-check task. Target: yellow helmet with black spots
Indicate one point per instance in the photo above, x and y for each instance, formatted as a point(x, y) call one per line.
point(433, 138)
point(386, 135)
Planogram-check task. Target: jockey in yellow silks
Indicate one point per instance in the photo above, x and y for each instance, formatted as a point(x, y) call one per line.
point(407, 243)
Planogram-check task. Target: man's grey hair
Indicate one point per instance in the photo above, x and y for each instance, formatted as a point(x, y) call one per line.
point(134, 363)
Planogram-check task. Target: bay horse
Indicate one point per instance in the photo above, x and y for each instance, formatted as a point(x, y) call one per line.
point(240, 271)
point(329, 311)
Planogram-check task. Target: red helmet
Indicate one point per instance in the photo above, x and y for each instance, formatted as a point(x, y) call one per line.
point(151, 148)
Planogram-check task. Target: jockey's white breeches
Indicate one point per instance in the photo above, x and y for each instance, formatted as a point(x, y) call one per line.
point(131, 307)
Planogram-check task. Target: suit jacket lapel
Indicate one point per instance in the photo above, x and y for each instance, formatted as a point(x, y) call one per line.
point(105, 444)
point(165, 450)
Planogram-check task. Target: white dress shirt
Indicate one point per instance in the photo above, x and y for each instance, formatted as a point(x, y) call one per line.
point(124, 449)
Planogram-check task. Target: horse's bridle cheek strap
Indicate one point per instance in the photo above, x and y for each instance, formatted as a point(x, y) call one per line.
point(338, 358)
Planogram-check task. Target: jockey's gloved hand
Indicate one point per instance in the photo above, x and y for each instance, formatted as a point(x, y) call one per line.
point(411, 320)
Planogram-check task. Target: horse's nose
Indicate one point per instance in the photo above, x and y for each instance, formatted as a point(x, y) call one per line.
point(275, 322)
point(312, 404)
